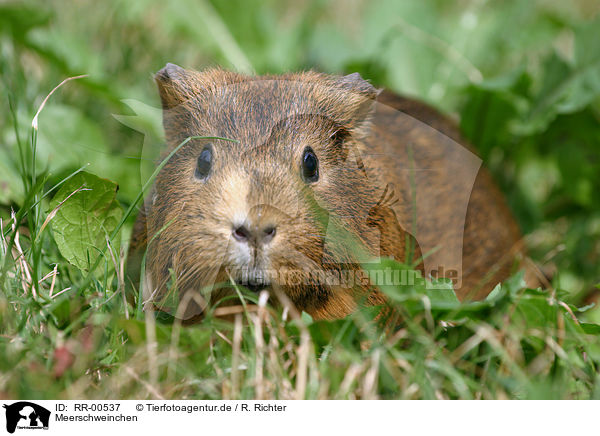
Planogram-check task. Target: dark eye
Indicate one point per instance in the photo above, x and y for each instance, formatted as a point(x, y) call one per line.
point(310, 165)
point(204, 163)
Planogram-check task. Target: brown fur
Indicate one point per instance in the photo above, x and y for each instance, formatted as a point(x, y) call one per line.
point(359, 207)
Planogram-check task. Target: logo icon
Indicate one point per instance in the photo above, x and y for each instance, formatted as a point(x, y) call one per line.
point(26, 415)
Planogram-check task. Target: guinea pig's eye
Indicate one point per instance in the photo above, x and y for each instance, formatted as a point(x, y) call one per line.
point(310, 165)
point(204, 163)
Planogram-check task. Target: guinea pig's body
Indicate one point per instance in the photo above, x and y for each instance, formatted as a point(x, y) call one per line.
point(320, 175)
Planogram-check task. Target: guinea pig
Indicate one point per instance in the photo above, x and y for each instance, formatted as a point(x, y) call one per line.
point(293, 183)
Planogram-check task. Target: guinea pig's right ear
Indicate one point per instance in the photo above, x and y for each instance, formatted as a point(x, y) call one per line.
point(175, 85)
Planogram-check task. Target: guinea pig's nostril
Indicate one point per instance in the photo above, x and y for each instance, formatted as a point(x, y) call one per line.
point(264, 236)
point(269, 233)
point(241, 233)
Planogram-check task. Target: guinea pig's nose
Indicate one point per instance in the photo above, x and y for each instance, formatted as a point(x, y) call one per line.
point(262, 235)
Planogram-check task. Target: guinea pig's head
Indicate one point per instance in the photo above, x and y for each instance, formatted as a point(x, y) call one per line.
point(282, 196)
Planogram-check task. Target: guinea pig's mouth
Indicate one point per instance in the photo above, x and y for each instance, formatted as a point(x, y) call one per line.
point(254, 285)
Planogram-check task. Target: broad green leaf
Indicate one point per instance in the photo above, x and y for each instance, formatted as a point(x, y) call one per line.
point(496, 294)
point(442, 295)
point(590, 329)
point(306, 318)
point(87, 214)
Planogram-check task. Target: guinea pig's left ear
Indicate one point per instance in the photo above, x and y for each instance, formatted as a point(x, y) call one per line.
point(355, 83)
point(175, 85)
point(359, 98)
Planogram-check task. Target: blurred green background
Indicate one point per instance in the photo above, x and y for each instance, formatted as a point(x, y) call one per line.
point(521, 77)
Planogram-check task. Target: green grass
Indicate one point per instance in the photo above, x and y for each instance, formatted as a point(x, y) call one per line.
point(527, 99)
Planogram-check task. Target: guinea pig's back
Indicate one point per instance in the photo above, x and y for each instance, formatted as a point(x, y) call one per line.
point(448, 201)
